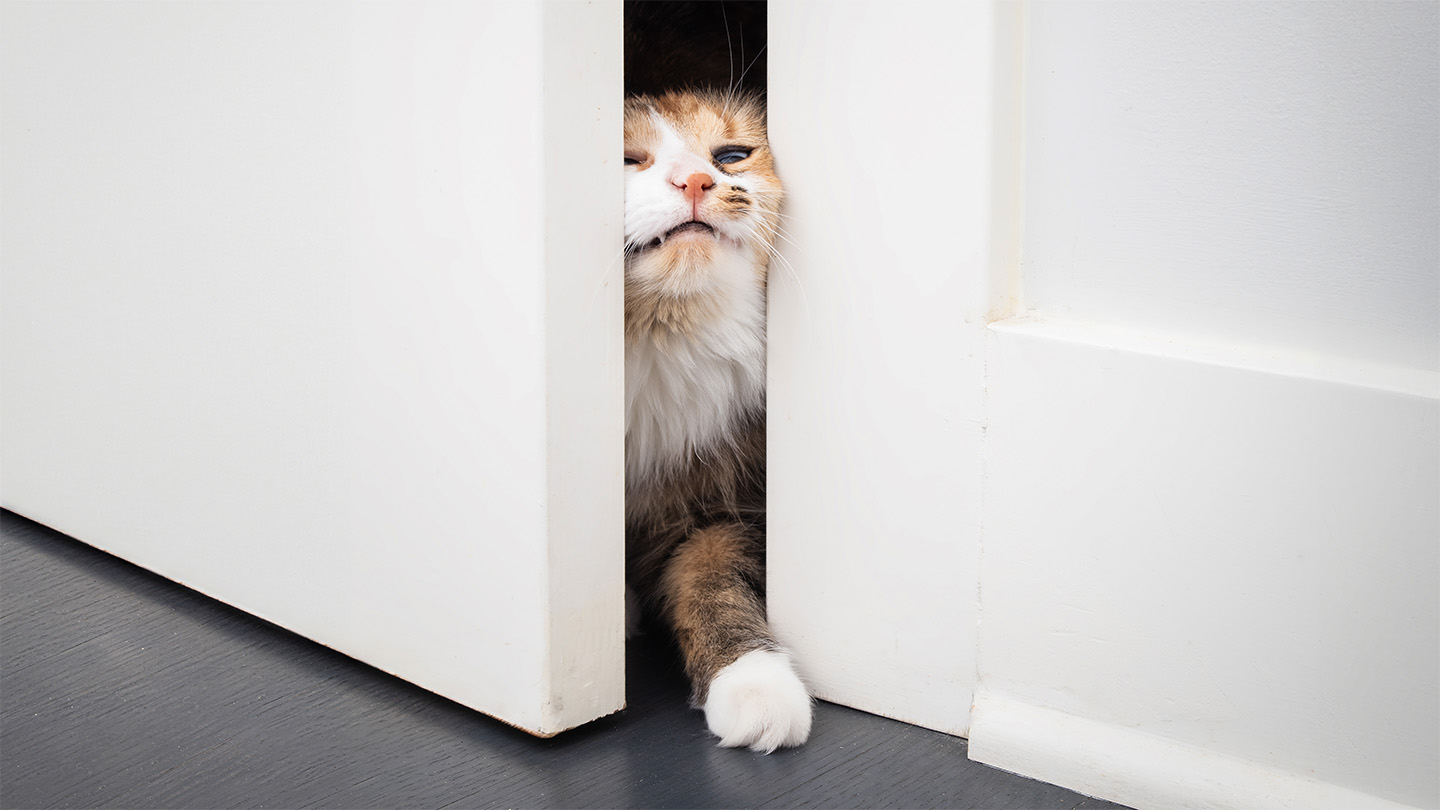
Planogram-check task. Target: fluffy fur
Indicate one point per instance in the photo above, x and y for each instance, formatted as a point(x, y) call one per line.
point(758, 702)
point(701, 213)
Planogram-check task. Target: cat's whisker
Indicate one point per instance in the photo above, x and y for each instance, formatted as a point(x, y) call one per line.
point(741, 80)
point(780, 233)
point(730, 53)
point(774, 252)
point(785, 262)
point(625, 250)
point(628, 249)
point(778, 229)
point(794, 276)
point(735, 84)
point(758, 239)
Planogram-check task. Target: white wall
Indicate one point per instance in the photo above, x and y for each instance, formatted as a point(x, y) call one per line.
point(1212, 533)
point(1264, 173)
point(877, 316)
point(305, 306)
point(1232, 563)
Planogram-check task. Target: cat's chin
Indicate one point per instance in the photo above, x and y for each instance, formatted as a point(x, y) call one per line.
point(692, 263)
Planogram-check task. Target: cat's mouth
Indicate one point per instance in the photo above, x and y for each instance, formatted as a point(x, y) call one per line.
point(693, 226)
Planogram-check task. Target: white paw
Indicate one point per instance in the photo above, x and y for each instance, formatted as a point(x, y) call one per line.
point(758, 702)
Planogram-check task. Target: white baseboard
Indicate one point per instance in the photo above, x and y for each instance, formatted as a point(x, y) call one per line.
point(1139, 769)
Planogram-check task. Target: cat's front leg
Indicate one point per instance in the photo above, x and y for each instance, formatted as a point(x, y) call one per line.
point(746, 684)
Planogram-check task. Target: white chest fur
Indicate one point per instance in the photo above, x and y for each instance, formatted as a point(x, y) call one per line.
point(685, 393)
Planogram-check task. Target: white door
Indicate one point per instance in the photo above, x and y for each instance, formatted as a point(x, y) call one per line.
point(890, 138)
point(305, 305)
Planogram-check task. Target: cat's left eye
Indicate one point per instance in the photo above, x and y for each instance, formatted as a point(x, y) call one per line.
point(726, 155)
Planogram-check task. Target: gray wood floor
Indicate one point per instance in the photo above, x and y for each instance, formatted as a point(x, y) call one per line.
point(121, 689)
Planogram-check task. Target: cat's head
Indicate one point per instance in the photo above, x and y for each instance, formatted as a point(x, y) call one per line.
point(702, 200)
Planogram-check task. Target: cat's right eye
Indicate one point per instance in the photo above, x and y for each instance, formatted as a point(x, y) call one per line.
point(634, 158)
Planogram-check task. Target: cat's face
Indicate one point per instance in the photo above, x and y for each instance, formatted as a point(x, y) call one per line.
point(701, 197)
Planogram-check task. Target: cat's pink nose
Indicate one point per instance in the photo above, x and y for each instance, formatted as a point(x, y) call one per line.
point(694, 188)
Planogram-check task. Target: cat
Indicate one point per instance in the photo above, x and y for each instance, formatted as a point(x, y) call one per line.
point(702, 209)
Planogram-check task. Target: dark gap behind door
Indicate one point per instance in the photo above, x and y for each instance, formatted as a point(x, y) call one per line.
point(673, 45)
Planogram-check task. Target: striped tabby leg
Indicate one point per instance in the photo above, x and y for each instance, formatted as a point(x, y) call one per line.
point(743, 680)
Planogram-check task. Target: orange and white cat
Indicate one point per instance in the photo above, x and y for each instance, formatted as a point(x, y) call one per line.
point(702, 207)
